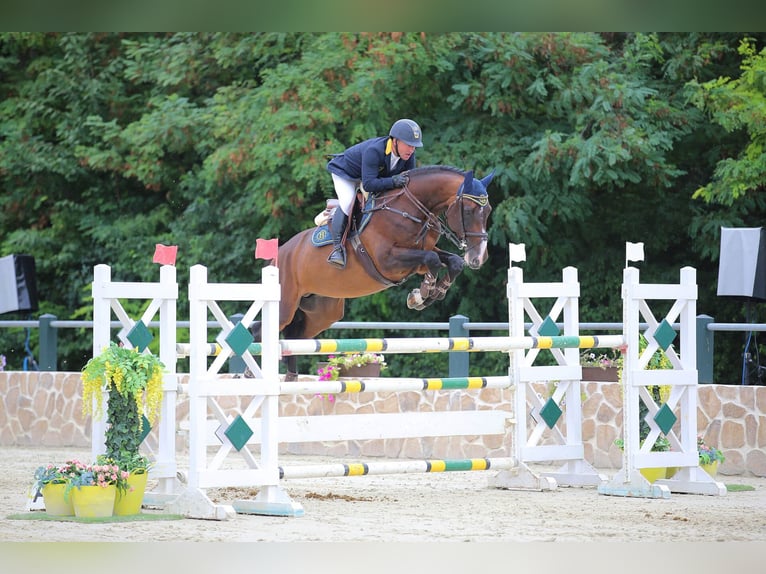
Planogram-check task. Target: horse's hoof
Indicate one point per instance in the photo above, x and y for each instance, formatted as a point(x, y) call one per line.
point(291, 377)
point(415, 300)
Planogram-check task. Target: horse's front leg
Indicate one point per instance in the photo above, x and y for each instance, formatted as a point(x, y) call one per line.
point(455, 266)
point(432, 290)
point(427, 263)
point(419, 298)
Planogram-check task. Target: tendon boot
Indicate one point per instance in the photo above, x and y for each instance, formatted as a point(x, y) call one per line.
point(337, 226)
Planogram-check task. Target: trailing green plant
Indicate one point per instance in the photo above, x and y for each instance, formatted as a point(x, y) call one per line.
point(134, 383)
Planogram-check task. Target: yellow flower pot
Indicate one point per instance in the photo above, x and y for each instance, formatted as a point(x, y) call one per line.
point(55, 502)
point(652, 474)
point(129, 502)
point(711, 469)
point(93, 501)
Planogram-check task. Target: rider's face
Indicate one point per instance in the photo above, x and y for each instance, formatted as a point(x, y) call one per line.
point(405, 151)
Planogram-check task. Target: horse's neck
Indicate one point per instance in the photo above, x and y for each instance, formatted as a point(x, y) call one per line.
point(435, 199)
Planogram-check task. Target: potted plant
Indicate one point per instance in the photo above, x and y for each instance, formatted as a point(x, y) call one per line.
point(351, 365)
point(133, 382)
point(93, 488)
point(709, 457)
point(50, 483)
point(599, 367)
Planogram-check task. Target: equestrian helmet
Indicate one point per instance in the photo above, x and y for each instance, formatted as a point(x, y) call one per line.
point(408, 131)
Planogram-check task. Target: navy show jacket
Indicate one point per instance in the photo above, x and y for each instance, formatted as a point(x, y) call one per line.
point(368, 161)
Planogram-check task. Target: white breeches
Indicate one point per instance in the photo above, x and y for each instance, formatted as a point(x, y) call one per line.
point(345, 189)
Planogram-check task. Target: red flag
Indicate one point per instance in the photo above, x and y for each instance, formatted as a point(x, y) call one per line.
point(165, 254)
point(266, 249)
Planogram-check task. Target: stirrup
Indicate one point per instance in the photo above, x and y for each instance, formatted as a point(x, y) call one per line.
point(337, 258)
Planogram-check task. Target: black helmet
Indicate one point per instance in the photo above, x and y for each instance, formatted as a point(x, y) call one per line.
point(407, 131)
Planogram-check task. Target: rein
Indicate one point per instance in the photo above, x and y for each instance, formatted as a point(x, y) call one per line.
point(433, 222)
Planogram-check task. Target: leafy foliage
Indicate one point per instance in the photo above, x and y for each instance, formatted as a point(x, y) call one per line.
point(112, 142)
point(134, 383)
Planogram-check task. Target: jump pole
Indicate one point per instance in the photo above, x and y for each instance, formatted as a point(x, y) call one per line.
point(423, 345)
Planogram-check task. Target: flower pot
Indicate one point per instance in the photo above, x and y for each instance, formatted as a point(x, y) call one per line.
point(607, 374)
point(56, 504)
point(129, 502)
point(711, 469)
point(93, 501)
point(652, 474)
point(363, 371)
point(368, 370)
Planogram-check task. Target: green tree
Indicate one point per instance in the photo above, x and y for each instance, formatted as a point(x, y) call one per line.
point(110, 143)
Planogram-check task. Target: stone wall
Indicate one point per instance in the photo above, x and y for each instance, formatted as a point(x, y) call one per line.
point(42, 408)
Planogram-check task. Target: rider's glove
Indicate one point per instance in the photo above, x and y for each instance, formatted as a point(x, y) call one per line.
point(400, 179)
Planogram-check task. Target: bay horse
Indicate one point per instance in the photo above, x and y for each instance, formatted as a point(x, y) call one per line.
point(393, 237)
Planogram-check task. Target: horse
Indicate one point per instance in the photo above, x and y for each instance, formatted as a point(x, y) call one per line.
point(391, 238)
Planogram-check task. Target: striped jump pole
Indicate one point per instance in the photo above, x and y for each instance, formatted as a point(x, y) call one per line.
point(341, 470)
point(395, 467)
point(424, 345)
point(375, 385)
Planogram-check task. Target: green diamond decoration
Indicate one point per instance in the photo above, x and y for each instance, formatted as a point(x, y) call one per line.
point(665, 419)
point(140, 337)
point(548, 328)
point(238, 433)
point(550, 413)
point(239, 339)
point(664, 335)
point(147, 428)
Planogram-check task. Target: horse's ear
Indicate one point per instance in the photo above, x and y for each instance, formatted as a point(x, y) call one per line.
point(487, 180)
point(467, 183)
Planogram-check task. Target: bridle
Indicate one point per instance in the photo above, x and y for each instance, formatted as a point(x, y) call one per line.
point(460, 240)
point(431, 222)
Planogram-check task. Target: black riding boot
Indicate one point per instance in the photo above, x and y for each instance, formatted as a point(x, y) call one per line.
point(337, 226)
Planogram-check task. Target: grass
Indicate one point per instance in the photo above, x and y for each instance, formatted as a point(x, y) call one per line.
point(738, 487)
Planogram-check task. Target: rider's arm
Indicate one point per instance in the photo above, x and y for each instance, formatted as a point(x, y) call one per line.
point(375, 173)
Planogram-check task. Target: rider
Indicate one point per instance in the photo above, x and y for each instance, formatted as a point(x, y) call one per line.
point(377, 164)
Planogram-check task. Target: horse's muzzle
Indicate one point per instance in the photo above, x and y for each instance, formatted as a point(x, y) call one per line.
point(476, 256)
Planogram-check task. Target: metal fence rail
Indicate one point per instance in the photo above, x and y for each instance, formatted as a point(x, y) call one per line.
point(457, 326)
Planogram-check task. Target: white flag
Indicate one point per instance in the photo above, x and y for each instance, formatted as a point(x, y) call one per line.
point(517, 252)
point(634, 252)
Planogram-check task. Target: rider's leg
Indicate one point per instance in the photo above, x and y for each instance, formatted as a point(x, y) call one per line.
point(337, 227)
point(346, 192)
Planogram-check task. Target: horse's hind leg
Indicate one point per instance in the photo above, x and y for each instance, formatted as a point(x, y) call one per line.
point(315, 314)
point(293, 331)
point(320, 313)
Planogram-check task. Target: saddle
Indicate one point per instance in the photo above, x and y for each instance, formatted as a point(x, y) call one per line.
point(357, 222)
point(360, 216)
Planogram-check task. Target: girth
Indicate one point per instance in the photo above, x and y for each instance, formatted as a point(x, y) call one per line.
point(368, 264)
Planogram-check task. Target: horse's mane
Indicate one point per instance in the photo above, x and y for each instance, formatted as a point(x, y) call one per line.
point(426, 169)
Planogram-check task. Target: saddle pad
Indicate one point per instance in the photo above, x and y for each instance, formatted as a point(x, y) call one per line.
point(321, 236)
